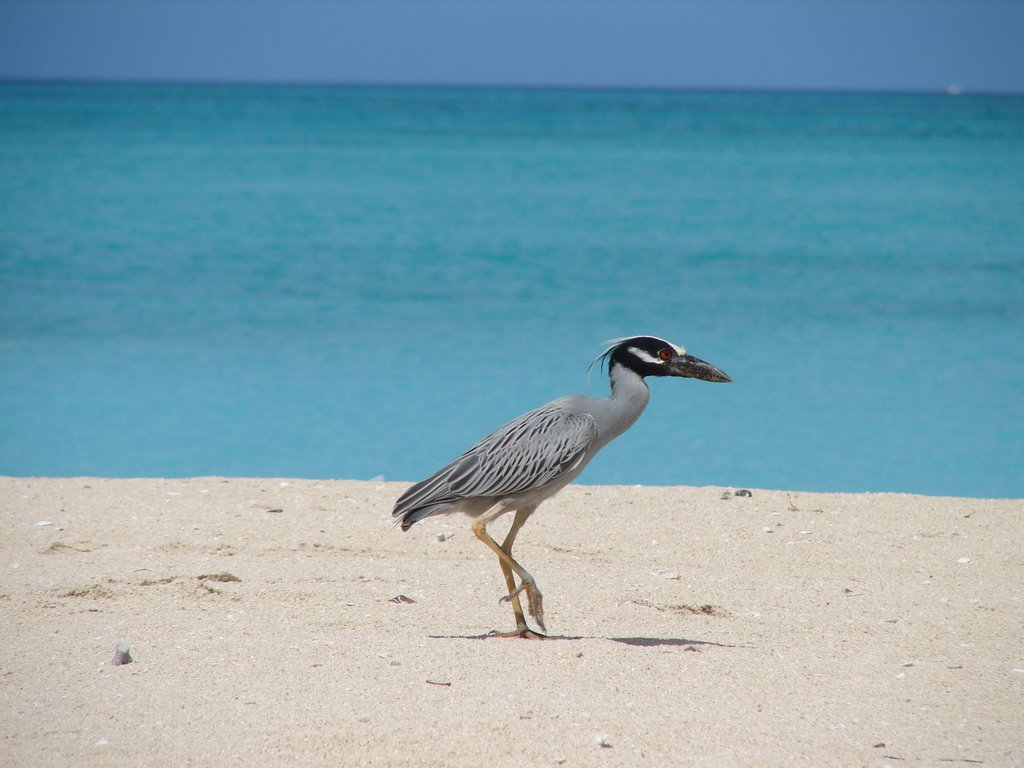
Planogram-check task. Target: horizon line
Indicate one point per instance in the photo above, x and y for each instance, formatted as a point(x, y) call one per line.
point(952, 90)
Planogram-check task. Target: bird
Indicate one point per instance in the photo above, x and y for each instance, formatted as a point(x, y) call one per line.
point(531, 458)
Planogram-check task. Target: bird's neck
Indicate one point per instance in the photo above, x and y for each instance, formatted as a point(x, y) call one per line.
point(628, 399)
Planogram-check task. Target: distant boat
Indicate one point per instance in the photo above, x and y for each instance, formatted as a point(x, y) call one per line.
point(954, 90)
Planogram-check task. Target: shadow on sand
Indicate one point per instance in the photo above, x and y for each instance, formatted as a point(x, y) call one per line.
point(650, 642)
point(642, 642)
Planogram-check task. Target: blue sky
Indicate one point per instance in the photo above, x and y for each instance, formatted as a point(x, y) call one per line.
point(802, 44)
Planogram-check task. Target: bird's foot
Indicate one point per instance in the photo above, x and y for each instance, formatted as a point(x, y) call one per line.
point(535, 600)
point(524, 633)
point(536, 609)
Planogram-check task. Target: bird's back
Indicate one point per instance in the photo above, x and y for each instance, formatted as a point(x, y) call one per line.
point(526, 454)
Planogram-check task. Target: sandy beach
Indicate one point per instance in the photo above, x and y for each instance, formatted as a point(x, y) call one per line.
point(687, 629)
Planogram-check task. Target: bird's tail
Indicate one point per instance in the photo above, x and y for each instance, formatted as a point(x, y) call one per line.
point(415, 515)
point(425, 498)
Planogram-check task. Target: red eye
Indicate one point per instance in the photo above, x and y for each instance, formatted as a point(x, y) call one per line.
point(666, 354)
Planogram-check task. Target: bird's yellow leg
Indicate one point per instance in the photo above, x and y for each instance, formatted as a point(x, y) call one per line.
point(521, 517)
point(510, 566)
point(513, 591)
point(522, 628)
point(517, 607)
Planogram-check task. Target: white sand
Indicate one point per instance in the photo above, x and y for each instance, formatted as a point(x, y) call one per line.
point(852, 630)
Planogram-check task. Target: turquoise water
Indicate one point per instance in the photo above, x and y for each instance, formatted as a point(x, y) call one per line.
point(353, 282)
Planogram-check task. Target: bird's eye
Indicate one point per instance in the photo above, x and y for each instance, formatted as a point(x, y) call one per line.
point(666, 355)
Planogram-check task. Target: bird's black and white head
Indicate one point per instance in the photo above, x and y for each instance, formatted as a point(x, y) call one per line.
point(651, 356)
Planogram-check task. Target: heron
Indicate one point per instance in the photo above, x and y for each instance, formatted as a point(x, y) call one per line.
point(531, 458)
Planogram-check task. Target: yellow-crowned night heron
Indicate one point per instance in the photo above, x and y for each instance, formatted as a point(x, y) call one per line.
point(533, 457)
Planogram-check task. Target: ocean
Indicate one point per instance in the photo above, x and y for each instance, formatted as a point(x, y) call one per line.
point(345, 282)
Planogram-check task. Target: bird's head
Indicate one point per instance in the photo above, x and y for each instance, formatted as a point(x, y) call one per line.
point(651, 356)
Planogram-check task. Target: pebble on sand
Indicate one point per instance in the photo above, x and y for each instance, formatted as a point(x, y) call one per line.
point(123, 655)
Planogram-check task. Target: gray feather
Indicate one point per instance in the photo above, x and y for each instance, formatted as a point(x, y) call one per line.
point(527, 453)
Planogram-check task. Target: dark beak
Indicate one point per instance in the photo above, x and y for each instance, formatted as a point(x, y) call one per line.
point(691, 367)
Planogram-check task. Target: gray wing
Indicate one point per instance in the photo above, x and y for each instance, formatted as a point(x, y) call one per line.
point(526, 453)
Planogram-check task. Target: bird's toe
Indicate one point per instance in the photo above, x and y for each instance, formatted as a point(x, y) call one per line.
point(536, 605)
point(512, 595)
